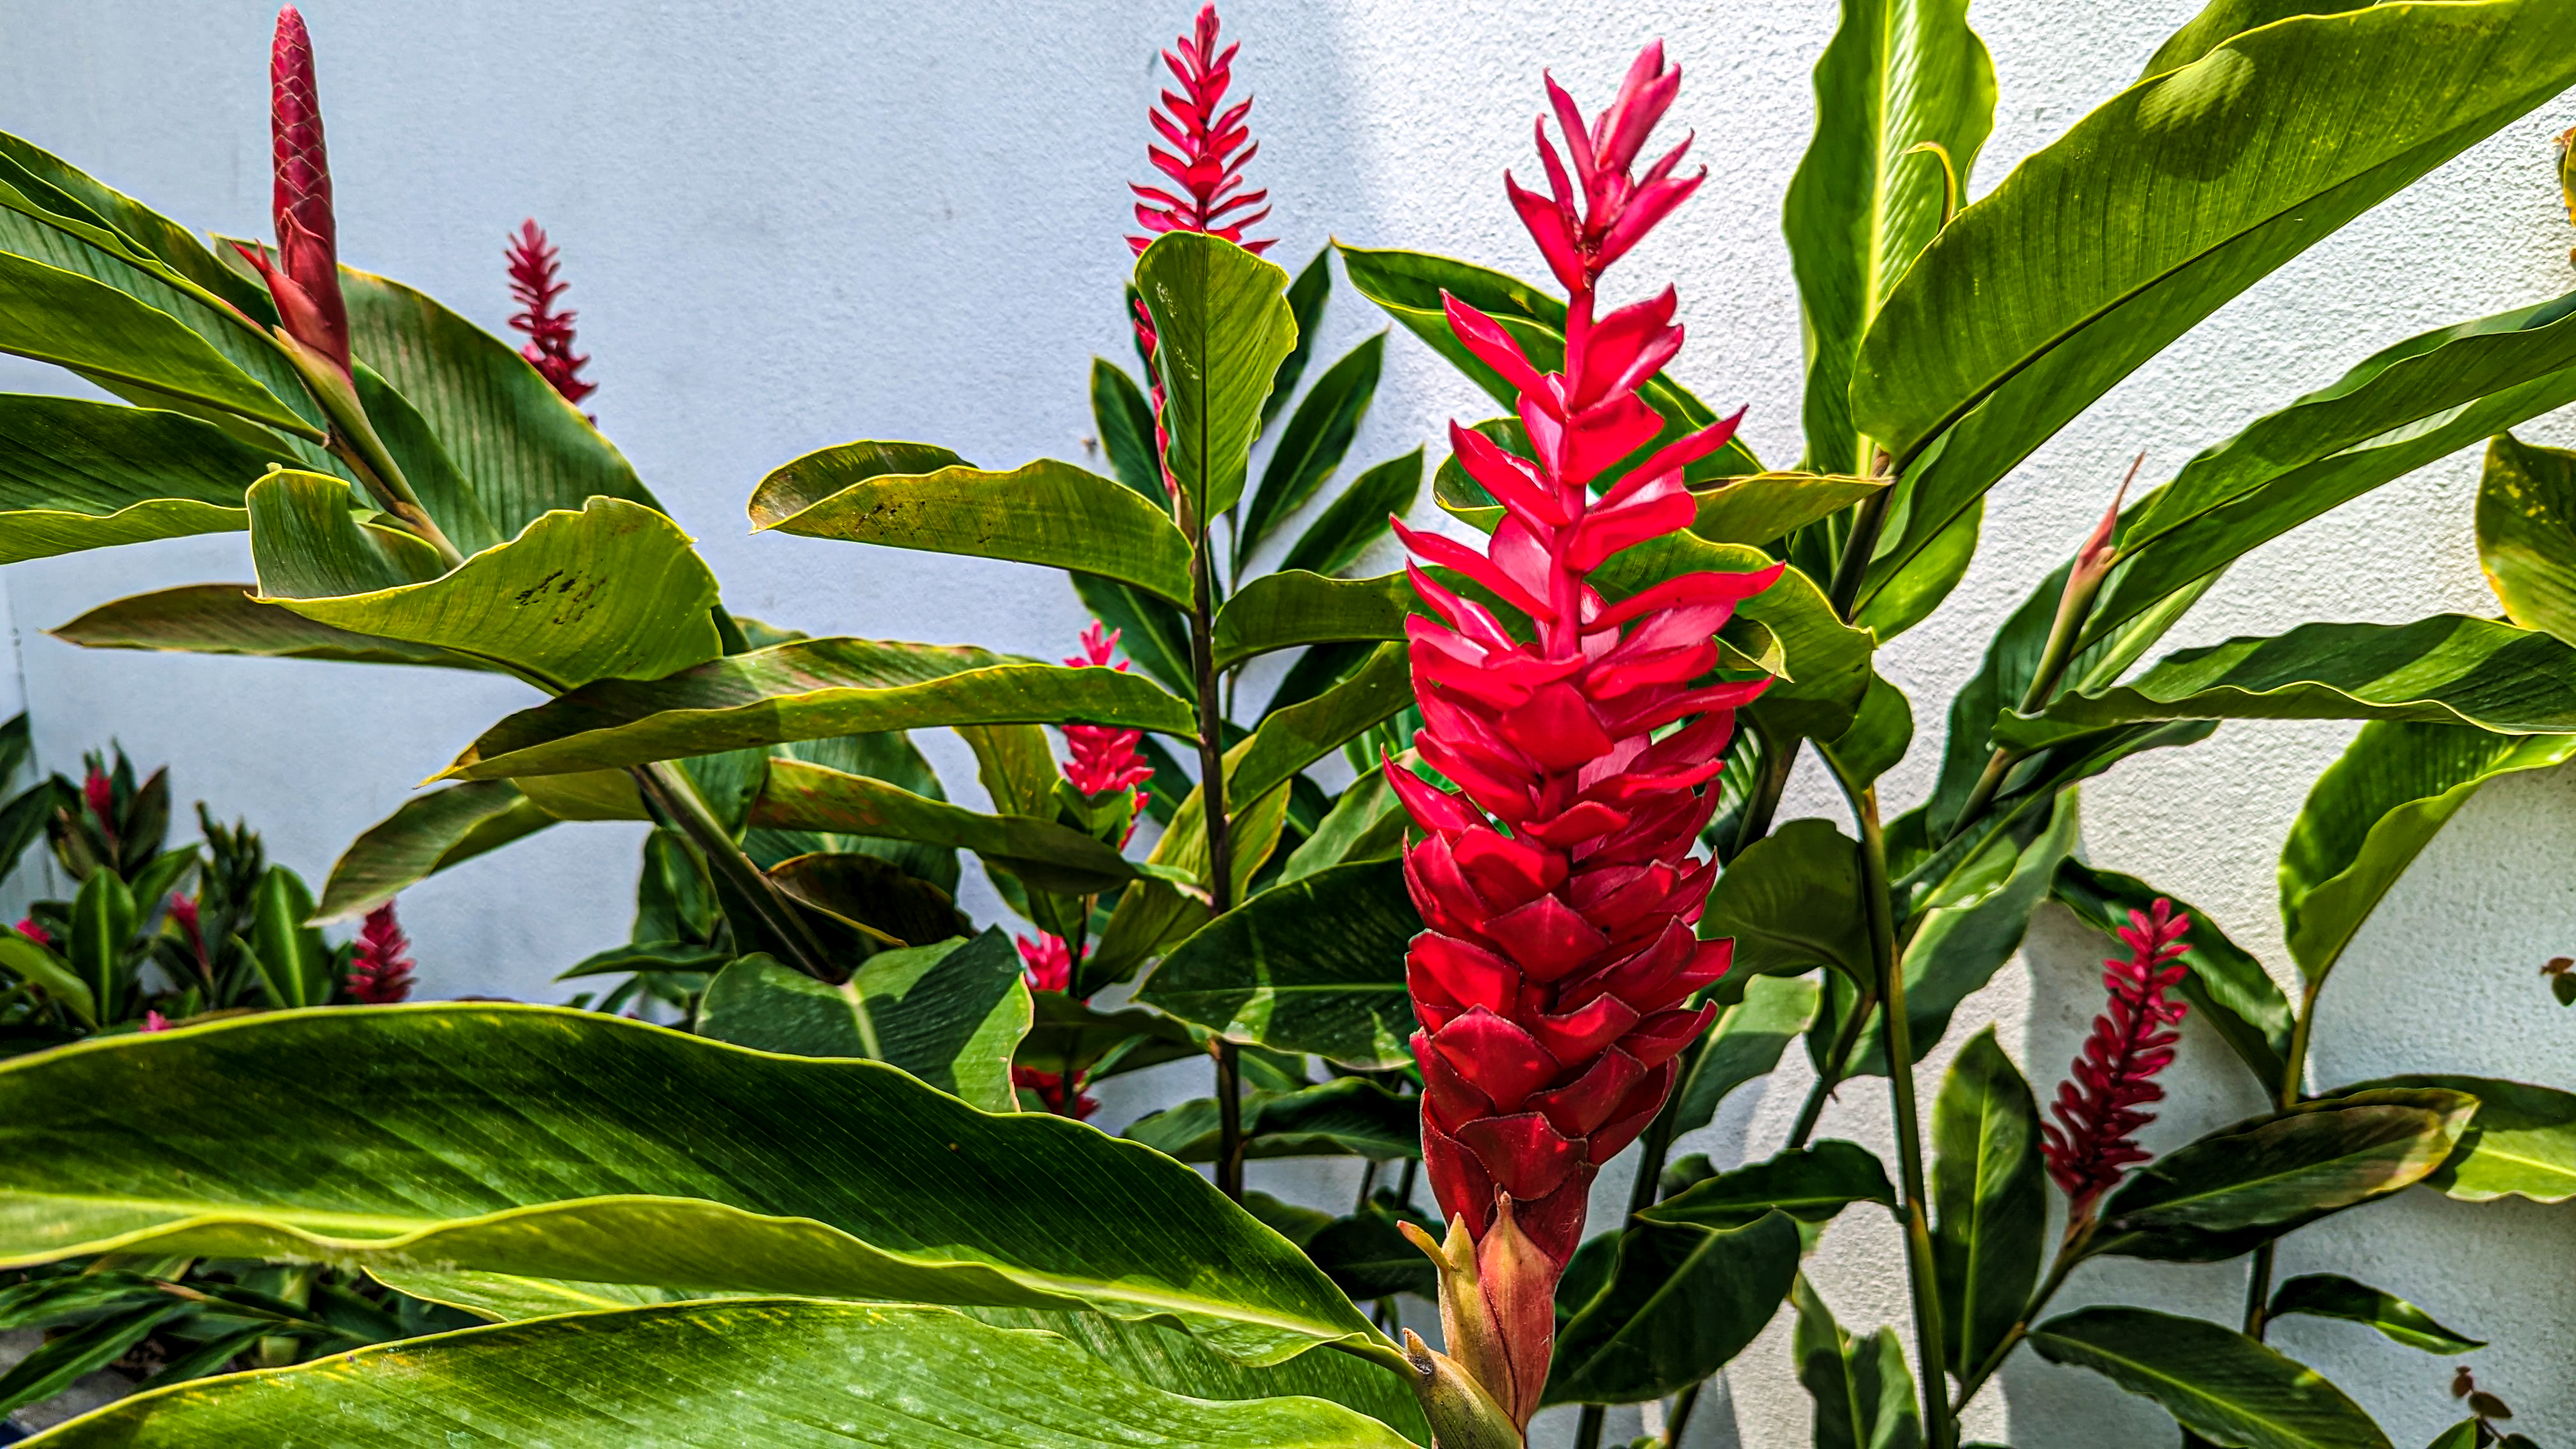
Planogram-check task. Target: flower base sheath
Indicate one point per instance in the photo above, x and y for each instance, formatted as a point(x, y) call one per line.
point(1553, 977)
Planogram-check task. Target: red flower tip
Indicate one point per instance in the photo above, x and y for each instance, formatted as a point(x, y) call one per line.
point(304, 279)
point(1104, 759)
point(380, 969)
point(534, 286)
point(28, 928)
point(1597, 207)
point(1209, 146)
point(98, 792)
point(1047, 963)
point(153, 1020)
point(2091, 1145)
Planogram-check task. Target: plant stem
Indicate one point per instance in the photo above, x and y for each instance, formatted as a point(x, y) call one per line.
point(676, 796)
point(2294, 1079)
point(1220, 842)
point(1587, 1429)
point(1853, 566)
point(1683, 1403)
point(1777, 765)
point(2069, 1253)
point(1830, 1076)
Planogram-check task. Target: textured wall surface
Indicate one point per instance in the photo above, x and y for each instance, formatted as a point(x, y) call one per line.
point(800, 222)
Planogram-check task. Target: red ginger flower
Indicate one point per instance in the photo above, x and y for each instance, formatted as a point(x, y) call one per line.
point(1104, 759)
point(1209, 148)
point(99, 794)
point(534, 287)
point(1048, 964)
point(1556, 887)
point(380, 970)
point(2090, 1146)
point(28, 928)
point(304, 280)
point(153, 1020)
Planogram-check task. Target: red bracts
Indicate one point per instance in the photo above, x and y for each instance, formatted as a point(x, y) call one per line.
point(1208, 148)
point(304, 280)
point(1556, 886)
point(534, 286)
point(1104, 759)
point(380, 967)
point(2091, 1144)
point(1047, 965)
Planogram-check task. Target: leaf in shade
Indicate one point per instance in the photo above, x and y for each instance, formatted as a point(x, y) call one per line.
point(72, 1352)
point(874, 893)
point(48, 314)
point(1367, 1256)
point(1345, 529)
point(1046, 513)
point(431, 832)
point(564, 1144)
point(1790, 901)
point(1152, 633)
point(1681, 1302)
point(1348, 1116)
point(77, 475)
point(1223, 325)
point(1810, 1184)
point(1291, 607)
point(1745, 1044)
point(1153, 914)
point(676, 957)
point(1881, 732)
point(1317, 437)
point(2224, 986)
point(228, 619)
point(2327, 1295)
point(2214, 1380)
point(1291, 739)
point(2237, 1188)
point(1863, 1390)
point(2522, 1143)
point(1316, 965)
point(503, 1298)
point(1991, 1202)
point(949, 1013)
point(800, 796)
point(1306, 298)
point(1126, 423)
point(781, 1368)
point(1070, 1035)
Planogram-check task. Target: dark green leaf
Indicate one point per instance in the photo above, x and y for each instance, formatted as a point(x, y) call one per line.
point(1306, 298)
point(1319, 433)
point(1863, 1390)
point(1153, 633)
point(800, 796)
point(1346, 1116)
point(1316, 965)
point(1291, 739)
point(66, 1356)
point(1126, 423)
point(1745, 1044)
point(431, 832)
point(873, 893)
point(949, 1014)
point(57, 316)
point(2211, 1379)
point(1367, 1256)
point(1338, 536)
point(1791, 901)
point(1811, 1184)
point(1992, 1206)
point(2327, 1295)
point(230, 619)
point(76, 475)
point(2223, 985)
point(1681, 1302)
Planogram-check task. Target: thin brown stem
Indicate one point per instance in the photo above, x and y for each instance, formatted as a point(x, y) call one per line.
point(2293, 1087)
point(676, 798)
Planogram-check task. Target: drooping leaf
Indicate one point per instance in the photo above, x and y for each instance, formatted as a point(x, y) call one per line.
point(51, 315)
point(858, 1374)
point(576, 1145)
point(1810, 1184)
point(1344, 530)
point(1313, 444)
point(809, 689)
point(1746, 1043)
point(949, 1014)
point(1882, 730)
point(1864, 1391)
point(872, 893)
point(2223, 985)
point(2241, 1186)
point(1223, 325)
point(2527, 533)
point(229, 619)
point(1049, 856)
point(2213, 1380)
point(444, 827)
point(2522, 1143)
point(1047, 513)
point(2329, 1295)
point(1791, 902)
point(77, 475)
point(1316, 965)
point(2374, 810)
point(1991, 1205)
point(1681, 1303)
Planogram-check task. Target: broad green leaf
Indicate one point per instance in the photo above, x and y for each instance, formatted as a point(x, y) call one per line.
point(1761, 508)
point(2178, 194)
point(1990, 1201)
point(1929, 561)
point(80, 1349)
point(306, 541)
point(1828, 660)
point(1222, 325)
point(294, 964)
point(1048, 856)
point(436, 481)
point(77, 475)
point(58, 316)
point(876, 896)
point(1316, 965)
point(2223, 985)
point(1296, 737)
point(1346, 1116)
point(652, 957)
point(1810, 1184)
point(2527, 533)
point(103, 919)
point(1313, 444)
point(230, 619)
point(1366, 823)
point(1898, 74)
point(783, 1371)
point(1882, 730)
point(2448, 669)
point(1072, 1035)
point(562, 1144)
point(1344, 530)
point(891, 757)
point(2467, 1434)
point(134, 233)
point(949, 1014)
point(1153, 914)
point(2214, 1381)
point(1126, 423)
point(525, 450)
point(1368, 1256)
point(2224, 20)
point(2522, 1143)
point(1863, 1390)
point(2396, 411)
point(1791, 901)
point(2242, 1186)
point(2374, 810)
point(1047, 513)
point(1306, 298)
point(503, 1298)
point(50, 973)
point(1746, 1043)
point(1291, 607)
point(1680, 1304)
point(2328, 1295)
point(809, 689)
point(431, 832)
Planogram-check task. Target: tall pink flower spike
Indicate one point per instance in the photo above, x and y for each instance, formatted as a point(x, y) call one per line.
point(380, 968)
point(2093, 1142)
point(304, 280)
point(1105, 758)
point(535, 286)
point(1556, 886)
point(1208, 148)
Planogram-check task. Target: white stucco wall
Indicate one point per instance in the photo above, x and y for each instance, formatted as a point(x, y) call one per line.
point(793, 224)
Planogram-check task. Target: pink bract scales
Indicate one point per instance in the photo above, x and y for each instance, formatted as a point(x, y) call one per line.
point(304, 281)
point(1104, 758)
point(380, 967)
point(534, 285)
point(1556, 887)
point(2092, 1144)
point(1209, 146)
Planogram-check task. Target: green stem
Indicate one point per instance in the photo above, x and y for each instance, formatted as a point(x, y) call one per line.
point(2294, 1080)
point(1587, 1429)
point(1683, 1403)
point(1220, 841)
point(1777, 765)
point(2069, 1253)
point(1853, 566)
point(676, 796)
point(1830, 1076)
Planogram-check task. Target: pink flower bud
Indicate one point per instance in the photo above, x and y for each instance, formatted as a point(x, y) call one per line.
point(304, 280)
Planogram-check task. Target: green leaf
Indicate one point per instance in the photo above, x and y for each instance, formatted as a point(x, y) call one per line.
point(562, 1144)
point(2242, 1186)
point(307, 540)
point(1291, 607)
point(1306, 298)
point(1762, 508)
point(1346, 1116)
point(1049, 856)
point(1681, 1302)
point(1990, 1199)
point(2448, 669)
point(1153, 633)
point(2178, 194)
point(1223, 325)
point(2522, 1143)
point(1318, 435)
point(1746, 1043)
point(1069, 1035)
point(229, 619)
point(57, 316)
point(82, 1349)
point(1828, 660)
point(294, 965)
point(1863, 1390)
point(1810, 1184)
point(1367, 1256)
point(76, 475)
point(2396, 411)
point(2465, 1434)
point(900, 495)
point(2223, 984)
point(2527, 533)
point(1293, 738)
point(1897, 75)
point(1366, 823)
point(2327, 1295)
point(949, 1014)
point(2224, 20)
point(51, 975)
point(675, 957)
point(445, 827)
point(503, 1298)
point(525, 450)
point(873, 894)
point(809, 689)
point(441, 486)
point(861, 1374)
point(1343, 531)
point(1126, 423)
point(2373, 811)
point(2214, 1381)
point(1791, 901)
point(1316, 965)
point(74, 203)
point(1882, 731)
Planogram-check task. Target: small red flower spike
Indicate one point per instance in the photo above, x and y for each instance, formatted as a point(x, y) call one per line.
point(1208, 148)
point(1557, 887)
point(153, 1020)
point(99, 794)
point(304, 280)
point(1106, 759)
point(28, 928)
point(534, 286)
point(2091, 1145)
point(380, 969)
point(1048, 966)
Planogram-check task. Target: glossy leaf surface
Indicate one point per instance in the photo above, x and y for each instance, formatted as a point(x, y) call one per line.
point(2329, 1295)
point(1990, 1201)
point(2522, 1143)
point(1745, 1044)
point(796, 795)
point(949, 1014)
point(1223, 324)
point(2527, 533)
point(1316, 965)
point(77, 475)
point(1680, 1303)
point(431, 832)
point(2213, 1380)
